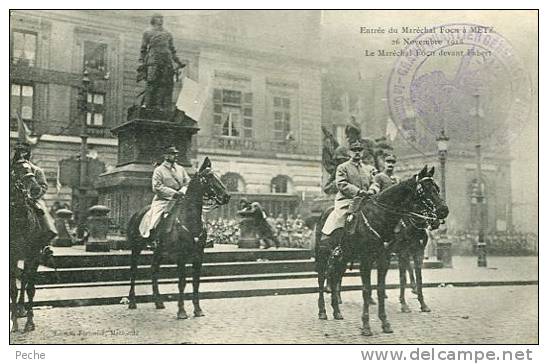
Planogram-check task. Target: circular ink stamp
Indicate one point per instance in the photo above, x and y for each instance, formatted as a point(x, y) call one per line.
point(465, 79)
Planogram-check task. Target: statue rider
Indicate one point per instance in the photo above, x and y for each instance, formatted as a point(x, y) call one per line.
point(157, 57)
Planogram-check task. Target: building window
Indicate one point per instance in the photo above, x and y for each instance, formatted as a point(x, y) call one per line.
point(95, 56)
point(282, 117)
point(233, 113)
point(24, 48)
point(95, 109)
point(233, 182)
point(280, 184)
point(22, 101)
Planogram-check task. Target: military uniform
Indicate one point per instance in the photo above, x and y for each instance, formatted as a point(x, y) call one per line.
point(47, 224)
point(384, 180)
point(167, 180)
point(351, 178)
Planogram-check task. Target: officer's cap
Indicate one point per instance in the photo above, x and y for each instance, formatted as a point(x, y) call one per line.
point(356, 146)
point(171, 150)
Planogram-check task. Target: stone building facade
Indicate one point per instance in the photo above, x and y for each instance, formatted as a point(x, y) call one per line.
point(262, 105)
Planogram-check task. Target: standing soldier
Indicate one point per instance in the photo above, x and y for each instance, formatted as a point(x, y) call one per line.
point(169, 182)
point(157, 57)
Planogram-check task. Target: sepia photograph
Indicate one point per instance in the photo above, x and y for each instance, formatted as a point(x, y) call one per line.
point(274, 177)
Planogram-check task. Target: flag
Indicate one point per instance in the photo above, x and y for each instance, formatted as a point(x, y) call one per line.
point(58, 179)
point(192, 98)
point(23, 132)
point(391, 130)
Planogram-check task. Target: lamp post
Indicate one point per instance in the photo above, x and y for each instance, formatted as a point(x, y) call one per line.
point(84, 186)
point(443, 143)
point(443, 247)
point(478, 195)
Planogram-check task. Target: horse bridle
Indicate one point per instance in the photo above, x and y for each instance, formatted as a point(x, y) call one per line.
point(427, 203)
point(208, 195)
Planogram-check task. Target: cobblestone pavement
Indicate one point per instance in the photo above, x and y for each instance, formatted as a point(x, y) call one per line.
point(481, 315)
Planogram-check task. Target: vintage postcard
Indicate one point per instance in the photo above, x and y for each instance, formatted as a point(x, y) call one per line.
point(315, 176)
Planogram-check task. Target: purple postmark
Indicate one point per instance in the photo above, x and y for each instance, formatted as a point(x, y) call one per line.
point(449, 74)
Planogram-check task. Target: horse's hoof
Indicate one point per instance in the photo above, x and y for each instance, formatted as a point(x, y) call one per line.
point(338, 316)
point(405, 308)
point(387, 329)
point(132, 306)
point(182, 315)
point(21, 312)
point(29, 326)
point(366, 331)
point(160, 305)
point(322, 316)
point(199, 313)
point(425, 309)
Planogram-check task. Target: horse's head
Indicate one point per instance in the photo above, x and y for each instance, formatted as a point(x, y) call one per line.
point(427, 193)
point(214, 189)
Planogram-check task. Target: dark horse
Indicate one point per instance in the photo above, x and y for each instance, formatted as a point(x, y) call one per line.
point(377, 219)
point(409, 243)
point(181, 235)
point(23, 240)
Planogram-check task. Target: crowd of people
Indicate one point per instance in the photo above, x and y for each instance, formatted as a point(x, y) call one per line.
point(509, 243)
point(292, 232)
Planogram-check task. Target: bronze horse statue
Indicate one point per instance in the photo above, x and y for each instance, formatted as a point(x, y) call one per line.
point(24, 245)
point(377, 219)
point(180, 235)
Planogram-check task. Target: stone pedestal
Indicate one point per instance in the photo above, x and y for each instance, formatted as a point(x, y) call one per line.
point(248, 234)
point(97, 223)
point(444, 254)
point(62, 218)
point(141, 144)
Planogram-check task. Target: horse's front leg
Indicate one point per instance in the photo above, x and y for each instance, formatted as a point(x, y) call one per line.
point(31, 290)
point(403, 263)
point(21, 312)
point(156, 261)
point(322, 314)
point(181, 270)
point(336, 272)
point(196, 273)
point(418, 259)
point(365, 274)
point(13, 295)
point(383, 264)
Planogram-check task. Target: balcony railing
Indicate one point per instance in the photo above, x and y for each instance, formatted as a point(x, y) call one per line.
point(252, 146)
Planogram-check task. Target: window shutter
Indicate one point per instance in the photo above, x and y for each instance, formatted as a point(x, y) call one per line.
point(217, 111)
point(248, 115)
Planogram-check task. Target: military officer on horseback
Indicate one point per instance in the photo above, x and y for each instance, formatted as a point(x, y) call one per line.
point(386, 178)
point(47, 226)
point(169, 182)
point(355, 182)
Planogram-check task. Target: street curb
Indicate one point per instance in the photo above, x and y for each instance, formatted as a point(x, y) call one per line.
point(262, 292)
